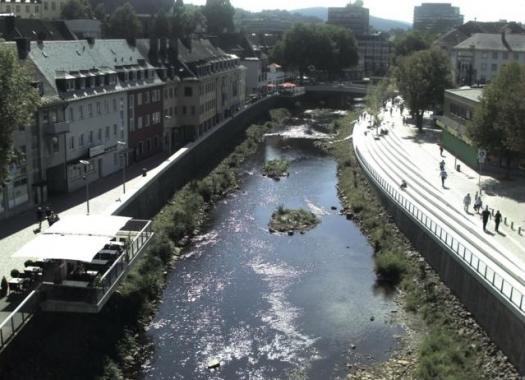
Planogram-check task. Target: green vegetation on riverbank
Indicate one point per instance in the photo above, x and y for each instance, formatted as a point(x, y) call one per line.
point(276, 168)
point(285, 219)
point(444, 353)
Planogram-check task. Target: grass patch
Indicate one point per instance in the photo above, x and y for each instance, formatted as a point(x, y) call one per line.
point(276, 168)
point(285, 219)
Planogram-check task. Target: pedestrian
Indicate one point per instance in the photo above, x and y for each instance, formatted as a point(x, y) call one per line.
point(53, 218)
point(442, 165)
point(477, 202)
point(443, 175)
point(39, 217)
point(497, 220)
point(466, 201)
point(485, 215)
point(441, 150)
point(47, 211)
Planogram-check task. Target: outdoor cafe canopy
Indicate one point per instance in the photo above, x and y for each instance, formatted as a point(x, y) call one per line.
point(76, 238)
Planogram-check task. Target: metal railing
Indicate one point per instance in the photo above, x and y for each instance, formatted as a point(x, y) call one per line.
point(477, 265)
point(18, 318)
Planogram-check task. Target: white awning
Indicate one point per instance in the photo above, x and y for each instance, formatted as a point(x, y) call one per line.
point(63, 247)
point(77, 238)
point(97, 225)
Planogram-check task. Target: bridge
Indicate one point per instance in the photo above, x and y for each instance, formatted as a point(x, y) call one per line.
point(341, 88)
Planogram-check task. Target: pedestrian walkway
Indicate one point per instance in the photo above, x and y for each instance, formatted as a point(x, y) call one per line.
point(404, 154)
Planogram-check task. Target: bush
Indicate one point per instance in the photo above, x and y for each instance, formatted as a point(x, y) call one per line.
point(15, 273)
point(390, 266)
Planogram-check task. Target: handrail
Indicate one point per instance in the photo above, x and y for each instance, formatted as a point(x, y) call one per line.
point(11, 317)
point(489, 275)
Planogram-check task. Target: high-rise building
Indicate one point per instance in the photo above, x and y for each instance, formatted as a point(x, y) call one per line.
point(436, 17)
point(352, 17)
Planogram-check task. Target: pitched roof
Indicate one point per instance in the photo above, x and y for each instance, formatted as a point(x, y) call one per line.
point(33, 29)
point(472, 94)
point(485, 41)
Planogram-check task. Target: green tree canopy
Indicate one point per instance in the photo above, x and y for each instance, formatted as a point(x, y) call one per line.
point(325, 47)
point(124, 23)
point(411, 41)
point(499, 121)
point(422, 78)
point(18, 103)
point(219, 16)
point(75, 9)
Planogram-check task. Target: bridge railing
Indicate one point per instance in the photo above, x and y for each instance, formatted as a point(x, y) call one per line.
point(473, 261)
point(18, 318)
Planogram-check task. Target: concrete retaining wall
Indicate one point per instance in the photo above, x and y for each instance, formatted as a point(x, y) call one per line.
point(197, 159)
point(502, 322)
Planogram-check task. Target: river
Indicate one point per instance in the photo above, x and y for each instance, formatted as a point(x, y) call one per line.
point(270, 306)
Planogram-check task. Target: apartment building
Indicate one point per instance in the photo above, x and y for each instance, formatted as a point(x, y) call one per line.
point(436, 18)
point(351, 17)
point(43, 9)
point(375, 54)
point(478, 59)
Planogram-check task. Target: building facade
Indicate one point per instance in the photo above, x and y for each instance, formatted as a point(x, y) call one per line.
point(375, 54)
point(436, 18)
point(39, 9)
point(478, 59)
point(351, 17)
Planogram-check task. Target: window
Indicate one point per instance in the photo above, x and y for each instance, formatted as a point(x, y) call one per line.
point(71, 114)
point(146, 120)
point(72, 143)
point(115, 130)
point(81, 140)
point(505, 55)
point(90, 110)
point(139, 122)
point(131, 101)
point(146, 97)
point(193, 110)
point(494, 55)
point(107, 132)
point(516, 56)
point(106, 106)
point(188, 91)
point(184, 110)
point(99, 135)
point(483, 66)
point(155, 118)
point(54, 145)
point(99, 112)
point(484, 55)
point(81, 112)
point(114, 105)
point(494, 67)
point(90, 137)
point(139, 99)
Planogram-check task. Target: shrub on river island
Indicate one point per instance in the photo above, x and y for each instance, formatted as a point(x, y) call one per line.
point(276, 168)
point(284, 219)
point(390, 266)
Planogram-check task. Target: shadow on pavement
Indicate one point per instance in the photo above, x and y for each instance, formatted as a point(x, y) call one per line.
point(61, 202)
point(512, 189)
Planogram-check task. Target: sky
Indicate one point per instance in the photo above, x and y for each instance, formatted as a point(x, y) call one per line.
point(482, 10)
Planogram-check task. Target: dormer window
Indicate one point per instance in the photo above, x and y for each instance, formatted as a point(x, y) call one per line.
point(139, 74)
point(132, 76)
point(70, 85)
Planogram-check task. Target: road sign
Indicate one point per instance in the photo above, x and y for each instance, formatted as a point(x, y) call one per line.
point(482, 155)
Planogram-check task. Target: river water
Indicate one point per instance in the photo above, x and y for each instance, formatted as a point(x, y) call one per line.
point(271, 306)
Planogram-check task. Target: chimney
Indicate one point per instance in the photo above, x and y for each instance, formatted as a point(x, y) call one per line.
point(23, 45)
point(10, 23)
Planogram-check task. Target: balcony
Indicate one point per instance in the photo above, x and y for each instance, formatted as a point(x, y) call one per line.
point(57, 128)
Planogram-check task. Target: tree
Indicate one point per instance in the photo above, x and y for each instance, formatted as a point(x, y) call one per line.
point(409, 42)
point(75, 9)
point(219, 16)
point(124, 23)
point(18, 103)
point(499, 120)
point(422, 79)
point(100, 12)
point(325, 47)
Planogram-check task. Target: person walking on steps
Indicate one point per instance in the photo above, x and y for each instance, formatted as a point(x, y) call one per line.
point(477, 203)
point(466, 202)
point(442, 165)
point(485, 215)
point(39, 217)
point(443, 175)
point(497, 220)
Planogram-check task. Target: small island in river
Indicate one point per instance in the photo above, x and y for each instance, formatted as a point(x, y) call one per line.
point(289, 220)
point(276, 169)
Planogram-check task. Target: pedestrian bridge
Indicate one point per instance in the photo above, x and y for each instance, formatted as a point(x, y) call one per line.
point(342, 88)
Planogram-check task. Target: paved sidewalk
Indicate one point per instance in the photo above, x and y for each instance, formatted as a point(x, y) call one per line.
point(105, 195)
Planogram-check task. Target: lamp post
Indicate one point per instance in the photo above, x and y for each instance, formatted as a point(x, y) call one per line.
point(124, 161)
point(86, 164)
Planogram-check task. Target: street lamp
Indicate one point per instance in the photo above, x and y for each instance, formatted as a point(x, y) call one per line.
point(123, 155)
point(86, 164)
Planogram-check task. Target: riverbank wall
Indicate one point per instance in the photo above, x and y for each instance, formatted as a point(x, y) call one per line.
point(196, 159)
point(502, 322)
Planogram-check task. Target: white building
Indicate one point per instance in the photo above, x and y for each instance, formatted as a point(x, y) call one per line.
point(275, 75)
point(255, 75)
point(479, 58)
